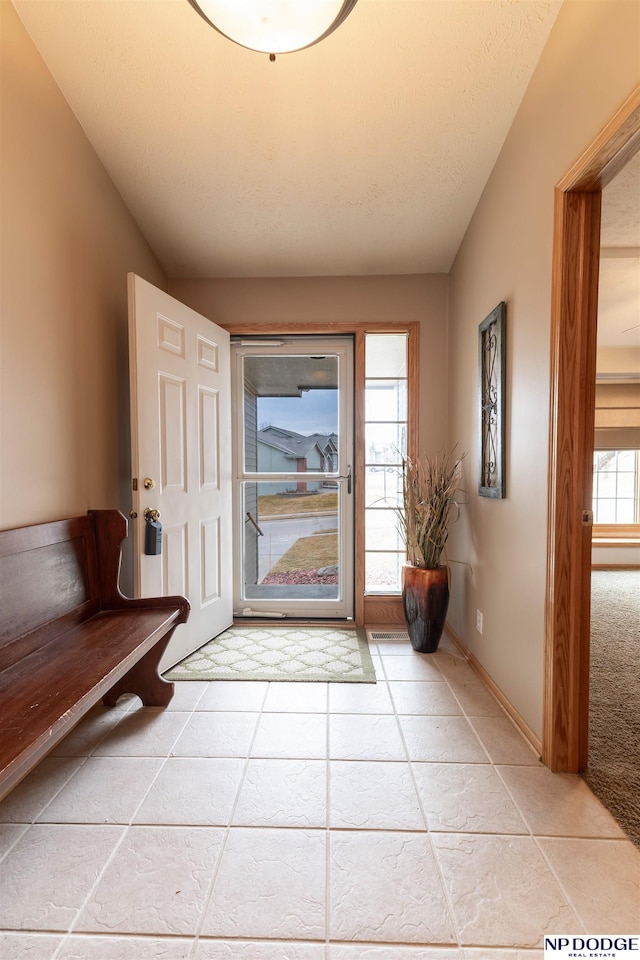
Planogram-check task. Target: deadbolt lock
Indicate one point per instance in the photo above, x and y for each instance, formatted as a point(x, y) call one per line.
point(148, 483)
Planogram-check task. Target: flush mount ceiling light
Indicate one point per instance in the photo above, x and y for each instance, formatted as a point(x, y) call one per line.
point(274, 26)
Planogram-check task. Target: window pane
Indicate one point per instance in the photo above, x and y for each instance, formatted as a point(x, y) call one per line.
point(383, 486)
point(385, 442)
point(386, 400)
point(290, 414)
point(386, 415)
point(607, 484)
point(626, 460)
point(606, 511)
point(386, 355)
point(615, 486)
point(625, 511)
point(382, 572)
point(381, 530)
point(626, 485)
point(290, 544)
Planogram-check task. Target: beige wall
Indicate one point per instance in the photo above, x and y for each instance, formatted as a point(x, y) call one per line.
point(67, 243)
point(353, 299)
point(589, 66)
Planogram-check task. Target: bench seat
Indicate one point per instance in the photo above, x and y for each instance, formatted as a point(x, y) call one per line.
point(52, 675)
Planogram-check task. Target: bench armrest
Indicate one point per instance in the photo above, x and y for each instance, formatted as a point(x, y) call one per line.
point(151, 603)
point(111, 529)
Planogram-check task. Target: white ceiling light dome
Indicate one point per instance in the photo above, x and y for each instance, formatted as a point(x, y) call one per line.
point(274, 26)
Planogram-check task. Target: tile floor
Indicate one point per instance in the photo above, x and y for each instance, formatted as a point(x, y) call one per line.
point(402, 821)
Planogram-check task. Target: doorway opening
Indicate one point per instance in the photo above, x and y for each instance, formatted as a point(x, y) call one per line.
point(293, 486)
point(573, 382)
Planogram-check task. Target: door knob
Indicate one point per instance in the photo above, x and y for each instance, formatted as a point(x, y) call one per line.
point(151, 514)
point(148, 483)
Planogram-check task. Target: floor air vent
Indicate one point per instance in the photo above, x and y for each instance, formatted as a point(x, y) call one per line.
point(376, 635)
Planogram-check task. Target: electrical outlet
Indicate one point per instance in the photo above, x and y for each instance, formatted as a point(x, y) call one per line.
point(479, 619)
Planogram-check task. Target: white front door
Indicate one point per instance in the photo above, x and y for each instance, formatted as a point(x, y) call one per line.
point(181, 460)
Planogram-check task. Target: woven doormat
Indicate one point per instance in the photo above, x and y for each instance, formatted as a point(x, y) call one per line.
point(281, 653)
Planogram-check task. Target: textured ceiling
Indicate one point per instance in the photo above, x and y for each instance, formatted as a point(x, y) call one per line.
point(365, 154)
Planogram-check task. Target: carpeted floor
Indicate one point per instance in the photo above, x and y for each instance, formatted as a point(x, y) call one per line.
point(281, 653)
point(614, 700)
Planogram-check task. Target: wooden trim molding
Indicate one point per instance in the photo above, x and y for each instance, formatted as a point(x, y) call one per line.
point(573, 359)
point(607, 154)
point(573, 345)
point(616, 531)
point(374, 609)
point(383, 609)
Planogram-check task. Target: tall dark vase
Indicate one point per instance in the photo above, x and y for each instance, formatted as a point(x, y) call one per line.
point(425, 595)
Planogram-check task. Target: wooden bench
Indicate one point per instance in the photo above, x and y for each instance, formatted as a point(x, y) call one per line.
point(68, 637)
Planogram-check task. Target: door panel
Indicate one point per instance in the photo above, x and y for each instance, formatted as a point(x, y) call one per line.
point(293, 500)
point(181, 440)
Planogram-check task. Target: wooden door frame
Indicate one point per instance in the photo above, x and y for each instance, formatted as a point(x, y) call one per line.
point(574, 307)
point(378, 609)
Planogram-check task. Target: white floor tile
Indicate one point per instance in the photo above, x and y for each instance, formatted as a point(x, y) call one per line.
point(90, 732)
point(485, 953)
point(466, 798)
point(216, 734)
point(363, 737)
point(503, 741)
point(28, 946)
point(475, 700)
point(193, 791)
point(385, 886)
point(394, 648)
point(104, 790)
point(238, 695)
point(502, 891)
point(387, 952)
point(444, 739)
point(9, 835)
point(427, 698)
point(601, 879)
point(29, 798)
point(283, 793)
point(259, 950)
point(360, 798)
point(416, 666)
point(360, 698)
point(147, 732)
point(271, 884)
point(156, 883)
point(82, 947)
point(558, 804)
point(455, 668)
point(296, 736)
point(50, 871)
point(255, 754)
point(187, 694)
point(290, 697)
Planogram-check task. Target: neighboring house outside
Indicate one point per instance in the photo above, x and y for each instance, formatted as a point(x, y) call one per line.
point(285, 451)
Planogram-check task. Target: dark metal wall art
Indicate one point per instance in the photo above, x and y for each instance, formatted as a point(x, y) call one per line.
point(492, 399)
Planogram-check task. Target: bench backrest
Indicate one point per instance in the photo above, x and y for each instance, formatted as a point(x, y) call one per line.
point(49, 582)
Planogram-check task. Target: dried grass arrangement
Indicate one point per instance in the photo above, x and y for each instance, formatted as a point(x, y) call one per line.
point(429, 506)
